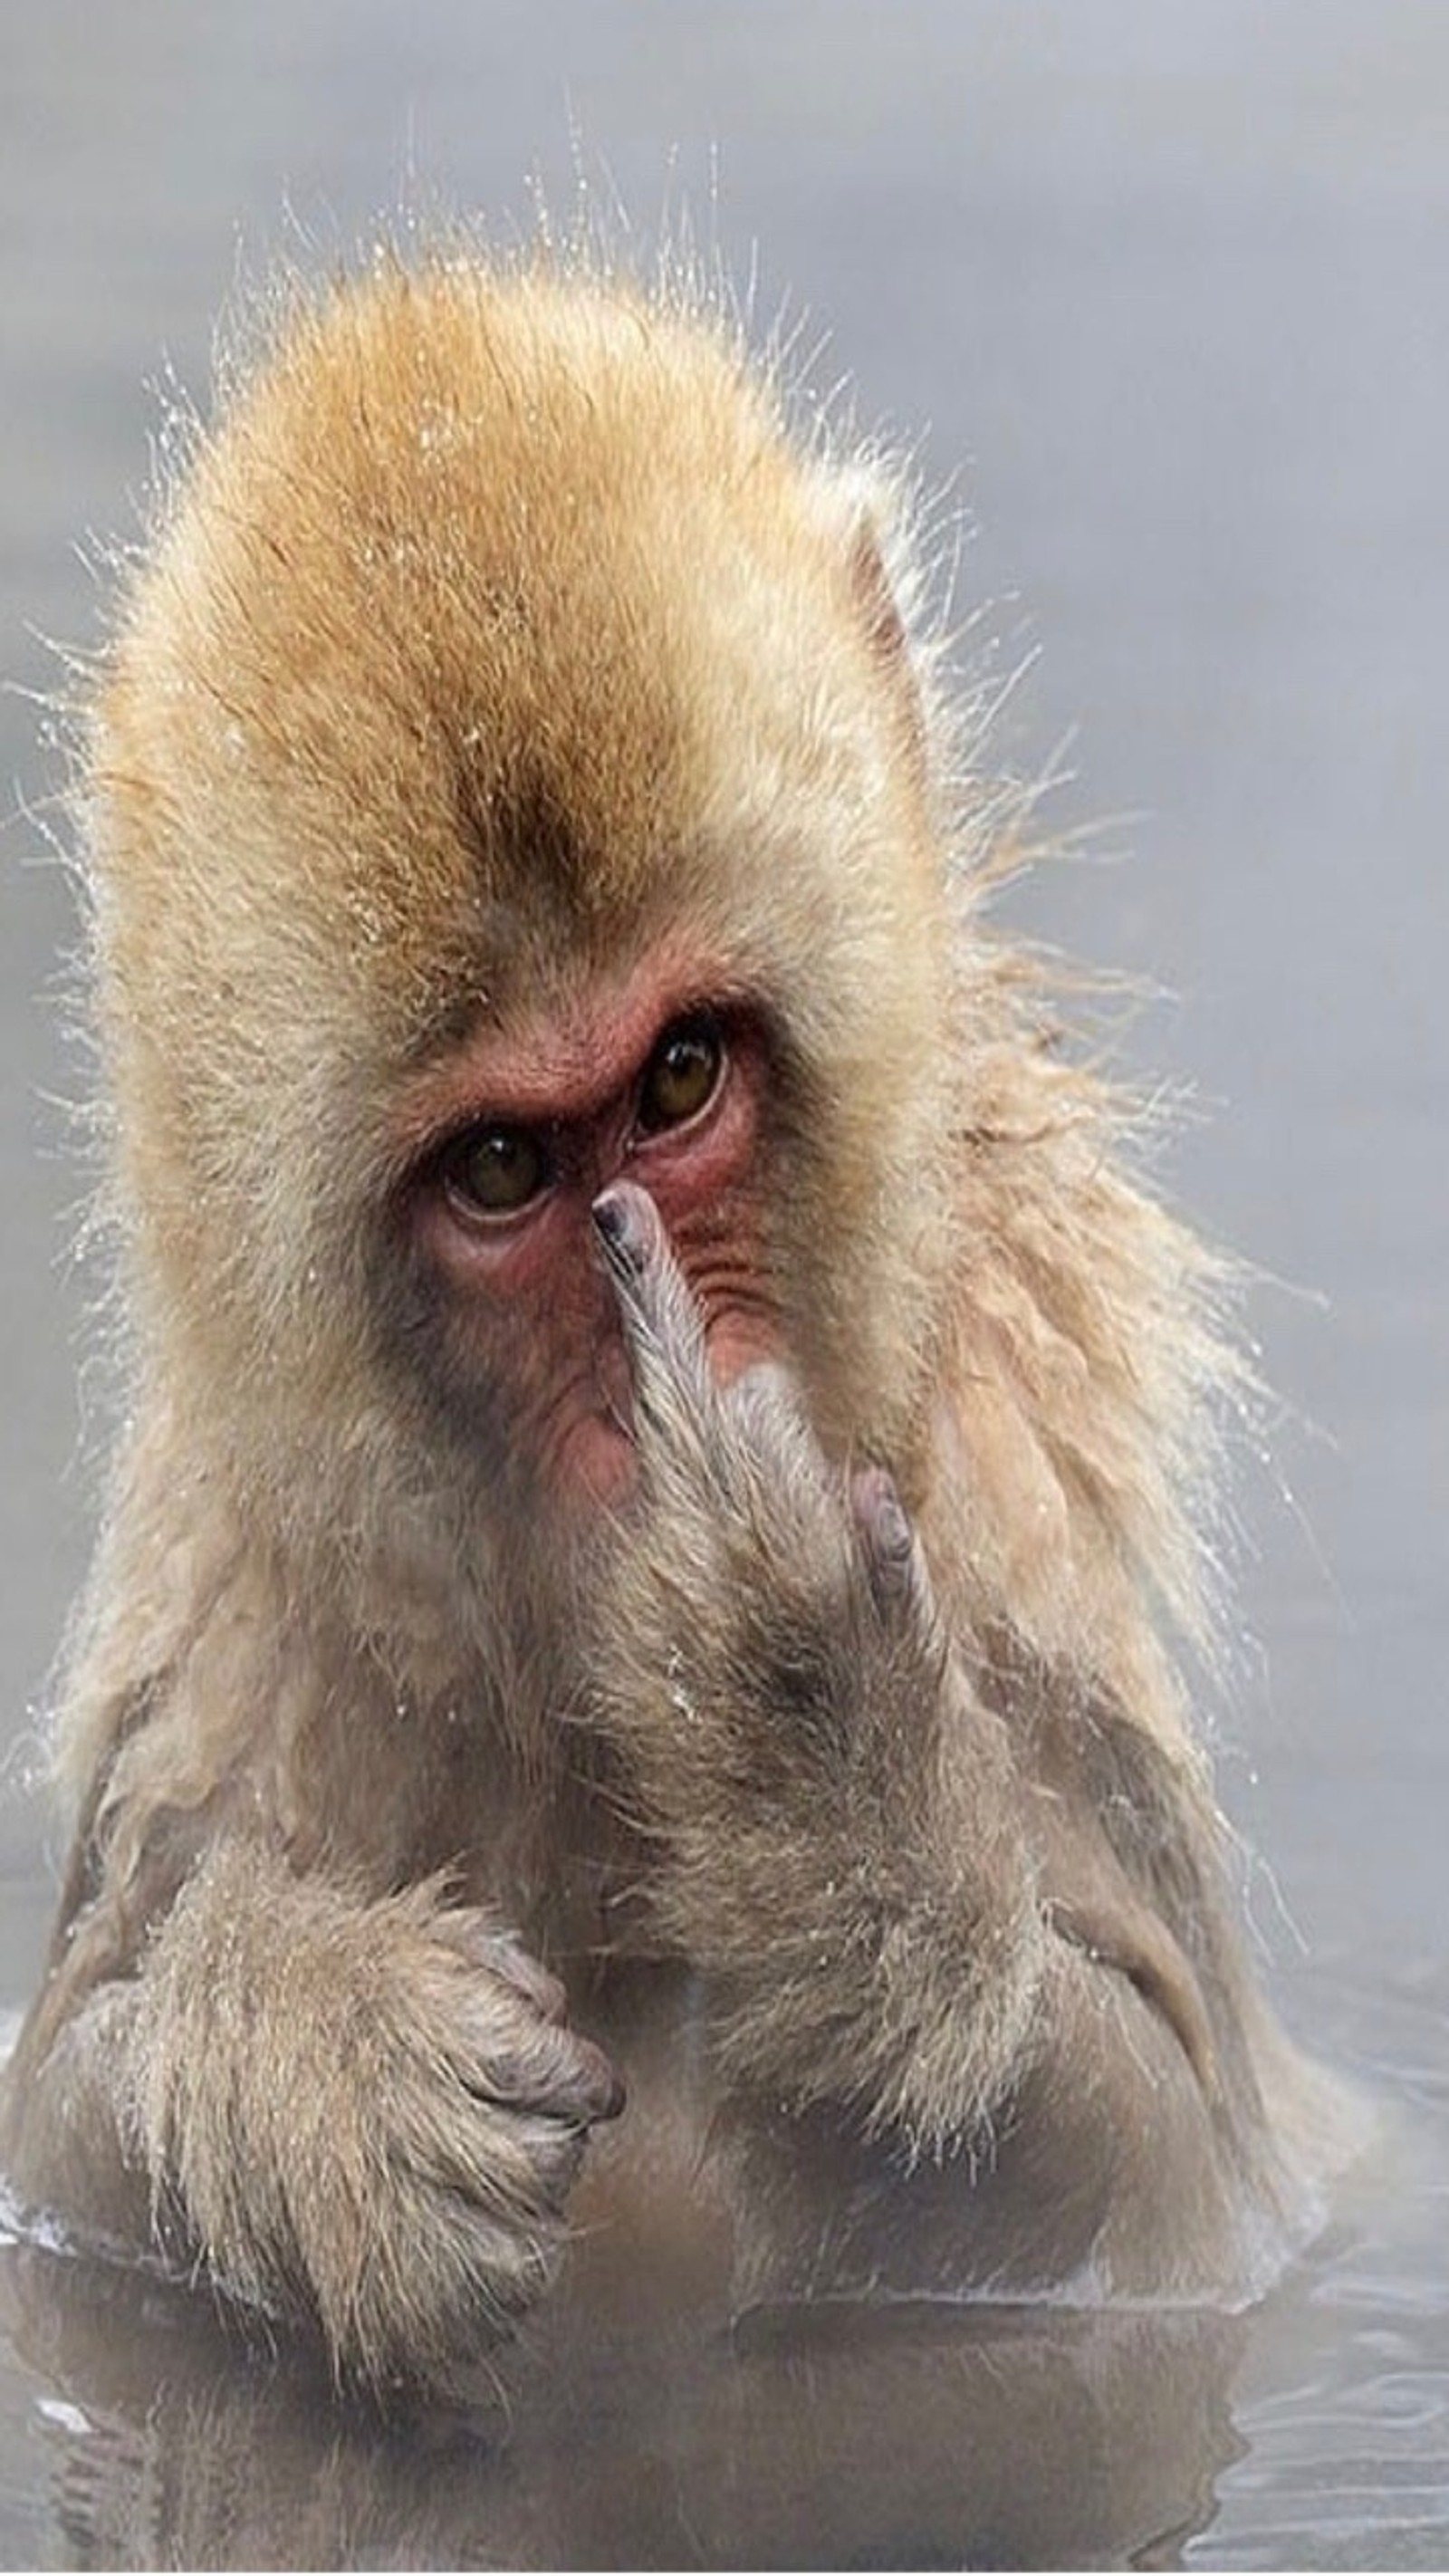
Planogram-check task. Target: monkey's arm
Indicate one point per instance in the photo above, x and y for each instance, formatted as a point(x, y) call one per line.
point(897, 1916)
point(362, 2116)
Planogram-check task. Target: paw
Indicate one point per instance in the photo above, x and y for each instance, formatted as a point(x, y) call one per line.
point(435, 2212)
point(514, 2046)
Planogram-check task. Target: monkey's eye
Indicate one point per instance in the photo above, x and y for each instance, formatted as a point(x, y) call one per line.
point(495, 1171)
point(682, 1074)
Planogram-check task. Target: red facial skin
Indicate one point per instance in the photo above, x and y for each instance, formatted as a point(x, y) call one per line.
point(528, 1305)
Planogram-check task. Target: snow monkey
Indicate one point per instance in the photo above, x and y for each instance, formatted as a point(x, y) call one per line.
point(660, 1426)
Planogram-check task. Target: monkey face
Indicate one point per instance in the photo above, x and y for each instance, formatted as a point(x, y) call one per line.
point(512, 1142)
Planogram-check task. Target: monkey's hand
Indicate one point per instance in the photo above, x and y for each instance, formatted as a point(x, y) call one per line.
point(836, 1817)
point(364, 2116)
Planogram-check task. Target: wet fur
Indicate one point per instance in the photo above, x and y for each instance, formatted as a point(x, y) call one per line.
point(501, 629)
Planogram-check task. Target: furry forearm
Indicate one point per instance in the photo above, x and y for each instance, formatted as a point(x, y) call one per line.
point(838, 1827)
point(362, 2115)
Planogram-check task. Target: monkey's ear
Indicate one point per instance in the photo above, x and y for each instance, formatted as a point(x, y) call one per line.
point(868, 517)
point(871, 583)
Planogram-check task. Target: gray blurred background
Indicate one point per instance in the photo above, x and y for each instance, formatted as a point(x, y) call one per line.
point(1162, 288)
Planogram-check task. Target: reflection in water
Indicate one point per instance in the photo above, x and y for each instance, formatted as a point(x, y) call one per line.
point(634, 2424)
point(915, 2437)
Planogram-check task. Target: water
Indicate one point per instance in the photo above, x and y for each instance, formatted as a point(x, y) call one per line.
point(1170, 282)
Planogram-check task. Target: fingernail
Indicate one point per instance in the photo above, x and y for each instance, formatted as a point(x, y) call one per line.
point(611, 1220)
point(618, 1230)
point(879, 1513)
point(604, 2088)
